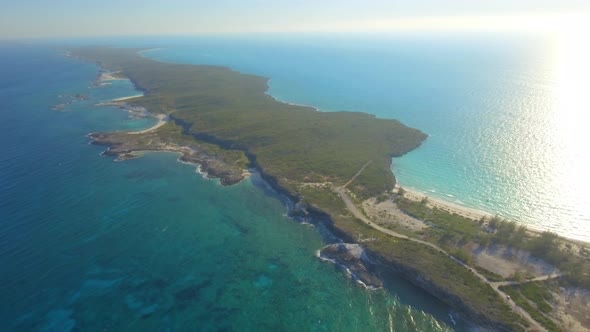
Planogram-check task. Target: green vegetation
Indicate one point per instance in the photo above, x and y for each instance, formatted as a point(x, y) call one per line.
point(435, 268)
point(454, 231)
point(520, 276)
point(429, 268)
point(171, 134)
point(325, 198)
point(174, 134)
point(491, 276)
point(226, 164)
point(291, 143)
point(538, 293)
point(452, 277)
point(448, 230)
point(462, 254)
point(227, 116)
point(534, 297)
point(382, 198)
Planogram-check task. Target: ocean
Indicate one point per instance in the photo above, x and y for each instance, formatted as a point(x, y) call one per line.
point(506, 114)
point(89, 244)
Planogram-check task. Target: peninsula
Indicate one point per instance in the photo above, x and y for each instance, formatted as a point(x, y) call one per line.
point(336, 166)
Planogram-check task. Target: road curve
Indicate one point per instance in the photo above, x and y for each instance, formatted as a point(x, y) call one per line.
point(342, 192)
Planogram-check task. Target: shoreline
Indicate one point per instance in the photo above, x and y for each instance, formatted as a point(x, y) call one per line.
point(162, 120)
point(464, 211)
point(471, 213)
point(411, 193)
point(183, 151)
point(416, 263)
point(468, 212)
point(180, 151)
point(126, 98)
point(109, 76)
point(267, 92)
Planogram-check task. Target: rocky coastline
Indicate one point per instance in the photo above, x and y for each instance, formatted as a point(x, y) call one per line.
point(365, 266)
point(227, 156)
point(124, 147)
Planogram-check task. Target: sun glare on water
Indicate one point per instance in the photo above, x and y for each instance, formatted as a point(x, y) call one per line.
point(568, 129)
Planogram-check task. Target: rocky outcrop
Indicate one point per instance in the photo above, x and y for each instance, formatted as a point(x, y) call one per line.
point(213, 163)
point(387, 265)
point(353, 259)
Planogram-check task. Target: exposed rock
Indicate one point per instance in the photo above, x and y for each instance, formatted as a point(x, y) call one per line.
point(352, 257)
point(213, 165)
point(390, 265)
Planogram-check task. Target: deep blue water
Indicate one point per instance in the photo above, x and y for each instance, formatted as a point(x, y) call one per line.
point(88, 244)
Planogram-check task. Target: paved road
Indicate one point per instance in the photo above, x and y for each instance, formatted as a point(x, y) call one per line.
point(343, 193)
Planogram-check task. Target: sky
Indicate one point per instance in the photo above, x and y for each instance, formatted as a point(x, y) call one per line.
point(74, 18)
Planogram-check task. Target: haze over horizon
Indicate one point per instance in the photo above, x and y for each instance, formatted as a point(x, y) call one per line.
point(257, 165)
point(24, 19)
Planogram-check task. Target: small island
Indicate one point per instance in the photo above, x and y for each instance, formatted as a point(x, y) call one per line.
point(336, 167)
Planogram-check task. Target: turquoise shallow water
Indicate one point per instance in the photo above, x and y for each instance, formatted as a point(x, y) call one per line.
point(506, 115)
point(88, 244)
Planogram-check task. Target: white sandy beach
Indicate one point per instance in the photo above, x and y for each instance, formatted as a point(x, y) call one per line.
point(163, 119)
point(465, 211)
point(126, 98)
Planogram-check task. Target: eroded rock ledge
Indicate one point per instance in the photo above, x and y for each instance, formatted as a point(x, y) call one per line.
point(230, 166)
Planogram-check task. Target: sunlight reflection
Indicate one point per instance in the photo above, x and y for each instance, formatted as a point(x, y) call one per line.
point(570, 127)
